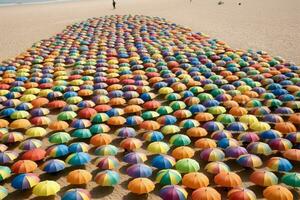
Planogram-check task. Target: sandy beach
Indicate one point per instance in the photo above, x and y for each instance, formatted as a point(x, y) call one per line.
point(269, 25)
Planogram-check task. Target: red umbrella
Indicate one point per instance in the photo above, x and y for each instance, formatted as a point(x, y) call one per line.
point(102, 108)
point(57, 104)
point(34, 154)
point(87, 113)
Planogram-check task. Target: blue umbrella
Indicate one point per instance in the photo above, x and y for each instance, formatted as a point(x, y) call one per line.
point(58, 150)
point(197, 108)
point(139, 170)
point(79, 158)
point(163, 162)
point(53, 165)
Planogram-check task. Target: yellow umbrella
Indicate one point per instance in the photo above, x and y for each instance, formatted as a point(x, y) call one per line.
point(260, 126)
point(36, 132)
point(28, 97)
point(46, 188)
point(248, 119)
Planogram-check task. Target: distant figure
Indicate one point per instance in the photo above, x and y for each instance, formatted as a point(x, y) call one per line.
point(114, 4)
point(240, 3)
point(220, 2)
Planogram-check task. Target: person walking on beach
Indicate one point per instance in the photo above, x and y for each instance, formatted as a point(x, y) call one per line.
point(114, 4)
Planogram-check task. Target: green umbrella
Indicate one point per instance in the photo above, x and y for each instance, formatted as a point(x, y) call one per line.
point(22, 114)
point(150, 115)
point(216, 92)
point(196, 89)
point(168, 177)
point(74, 100)
point(59, 138)
point(217, 110)
point(170, 129)
point(164, 110)
point(173, 97)
point(225, 118)
point(99, 118)
point(82, 133)
point(66, 115)
point(291, 179)
point(178, 105)
point(180, 140)
point(275, 103)
point(205, 96)
point(187, 165)
point(99, 128)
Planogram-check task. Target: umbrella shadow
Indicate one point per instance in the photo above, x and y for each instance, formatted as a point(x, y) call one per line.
point(53, 197)
point(125, 183)
point(258, 190)
point(65, 189)
point(25, 194)
point(100, 192)
point(131, 196)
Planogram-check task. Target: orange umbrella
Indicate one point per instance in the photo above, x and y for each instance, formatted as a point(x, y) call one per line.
point(285, 127)
point(277, 192)
point(141, 186)
point(150, 125)
point(206, 193)
point(183, 152)
point(132, 109)
point(205, 143)
point(116, 120)
point(292, 154)
point(58, 125)
point(131, 143)
point(39, 102)
point(204, 117)
point(238, 111)
point(24, 166)
point(3, 123)
point(228, 179)
point(101, 139)
point(295, 118)
point(196, 132)
point(117, 101)
point(195, 180)
point(79, 177)
point(20, 124)
point(230, 104)
point(241, 99)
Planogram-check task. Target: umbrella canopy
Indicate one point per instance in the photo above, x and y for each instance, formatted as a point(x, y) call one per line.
point(216, 167)
point(4, 172)
point(292, 154)
point(212, 154)
point(163, 162)
point(58, 126)
point(101, 139)
point(158, 147)
point(106, 150)
point(195, 180)
point(241, 193)
point(76, 194)
point(187, 165)
point(279, 164)
point(228, 179)
point(206, 193)
point(78, 158)
point(108, 162)
point(263, 178)
point(53, 165)
point(131, 144)
point(139, 170)
point(46, 188)
point(25, 181)
point(183, 152)
point(59, 138)
point(141, 186)
point(135, 157)
point(174, 192)
point(291, 179)
point(107, 178)
point(57, 150)
point(249, 160)
point(79, 177)
point(168, 177)
point(277, 192)
point(30, 144)
point(24, 166)
point(3, 192)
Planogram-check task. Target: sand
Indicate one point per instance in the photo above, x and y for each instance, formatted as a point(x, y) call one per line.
point(269, 25)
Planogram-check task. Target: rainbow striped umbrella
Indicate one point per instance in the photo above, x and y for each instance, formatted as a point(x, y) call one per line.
point(78, 158)
point(76, 194)
point(279, 164)
point(108, 162)
point(168, 177)
point(8, 156)
point(187, 165)
point(30, 144)
point(216, 167)
point(174, 192)
point(135, 157)
point(125, 132)
point(259, 148)
point(106, 150)
point(212, 154)
point(4, 172)
point(78, 147)
point(139, 170)
point(249, 160)
point(107, 178)
point(153, 136)
point(25, 181)
point(263, 178)
point(57, 150)
point(280, 144)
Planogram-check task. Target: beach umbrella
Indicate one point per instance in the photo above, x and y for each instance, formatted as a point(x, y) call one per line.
point(167, 120)
point(58, 126)
point(148, 115)
point(8, 156)
point(79, 177)
point(87, 113)
point(189, 123)
point(107, 178)
point(294, 118)
point(237, 126)
point(24, 166)
point(46, 188)
point(134, 120)
point(125, 132)
point(170, 129)
point(291, 179)
point(78, 158)
point(263, 178)
point(57, 150)
point(225, 118)
point(196, 132)
point(153, 136)
point(66, 115)
point(34, 154)
point(108, 162)
point(116, 121)
point(216, 167)
point(25, 181)
point(285, 127)
point(218, 135)
point(228, 179)
point(12, 137)
point(30, 144)
point(163, 162)
point(36, 132)
point(292, 154)
point(53, 165)
point(277, 192)
point(141, 186)
point(78, 147)
point(76, 194)
point(259, 148)
point(204, 143)
point(216, 110)
point(99, 118)
point(139, 170)
point(280, 144)
point(135, 157)
point(168, 177)
point(183, 152)
point(39, 112)
point(174, 192)
point(213, 126)
point(273, 118)
point(241, 193)
point(212, 154)
point(150, 125)
point(195, 180)
point(180, 140)
point(101, 139)
point(227, 142)
point(82, 133)
point(59, 138)
point(249, 160)
point(3, 192)
point(204, 117)
point(182, 114)
point(158, 147)
point(206, 193)
point(279, 164)
point(270, 134)
point(99, 128)
point(164, 110)
point(131, 144)
point(106, 150)
point(5, 172)
point(248, 119)
point(40, 121)
point(80, 123)
point(22, 114)
point(20, 124)
point(260, 126)
point(187, 165)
